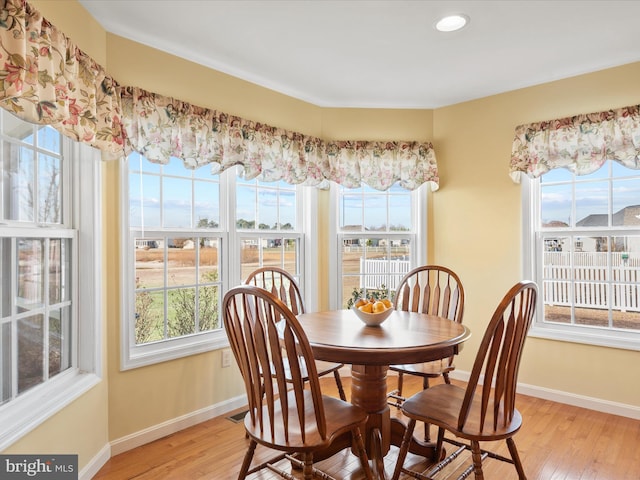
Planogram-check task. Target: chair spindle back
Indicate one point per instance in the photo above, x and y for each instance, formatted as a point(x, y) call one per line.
point(498, 358)
point(263, 334)
point(431, 289)
point(281, 283)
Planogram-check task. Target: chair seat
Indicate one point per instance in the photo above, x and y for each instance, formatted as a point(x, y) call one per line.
point(429, 369)
point(441, 406)
point(340, 418)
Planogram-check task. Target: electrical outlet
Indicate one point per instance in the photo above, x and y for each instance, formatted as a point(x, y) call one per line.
point(226, 358)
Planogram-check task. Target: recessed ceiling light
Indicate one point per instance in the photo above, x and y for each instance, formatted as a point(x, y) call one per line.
point(451, 23)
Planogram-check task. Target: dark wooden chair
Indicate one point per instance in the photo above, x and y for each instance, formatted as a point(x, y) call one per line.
point(479, 413)
point(283, 414)
point(437, 291)
point(282, 284)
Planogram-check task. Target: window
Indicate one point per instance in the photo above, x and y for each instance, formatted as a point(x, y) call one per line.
point(269, 227)
point(380, 236)
point(49, 255)
point(583, 236)
point(187, 243)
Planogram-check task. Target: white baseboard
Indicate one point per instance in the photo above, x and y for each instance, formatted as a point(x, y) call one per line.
point(150, 434)
point(96, 463)
point(592, 403)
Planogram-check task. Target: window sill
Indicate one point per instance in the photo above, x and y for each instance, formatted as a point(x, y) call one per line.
point(31, 409)
point(626, 340)
point(150, 354)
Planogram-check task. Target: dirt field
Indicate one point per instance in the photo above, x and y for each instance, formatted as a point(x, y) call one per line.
point(181, 271)
point(593, 317)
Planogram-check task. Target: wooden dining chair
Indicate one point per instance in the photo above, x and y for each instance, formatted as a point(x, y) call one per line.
point(434, 290)
point(485, 412)
point(284, 415)
point(282, 284)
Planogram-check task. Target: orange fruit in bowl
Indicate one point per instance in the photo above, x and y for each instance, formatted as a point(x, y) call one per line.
point(387, 302)
point(360, 302)
point(379, 307)
point(366, 308)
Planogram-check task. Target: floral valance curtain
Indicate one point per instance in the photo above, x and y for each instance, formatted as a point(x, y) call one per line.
point(581, 144)
point(46, 79)
point(161, 127)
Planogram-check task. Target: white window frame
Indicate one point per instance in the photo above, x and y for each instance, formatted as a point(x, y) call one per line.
point(134, 356)
point(418, 236)
point(532, 269)
point(30, 409)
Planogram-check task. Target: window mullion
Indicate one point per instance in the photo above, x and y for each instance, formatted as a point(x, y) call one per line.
point(45, 321)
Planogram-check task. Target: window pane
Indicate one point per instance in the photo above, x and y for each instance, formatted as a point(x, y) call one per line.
point(592, 204)
point(209, 259)
point(246, 214)
point(272, 252)
point(291, 249)
point(626, 202)
point(30, 352)
point(59, 271)
point(267, 208)
point(375, 213)
point(351, 211)
point(59, 340)
point(149, 266)
point(555, 205)
point(249, 256)
point(49, 191)
point(207, 204)
point(176, 202)
point(209, 308)
point(30, 274)
point(181, 312)
point(287, 210)
point(149, 316)
point(181, 261)
point(18, 168)
point(400, 208)
point(626, 286)
point(144, 201)
point(49, 139)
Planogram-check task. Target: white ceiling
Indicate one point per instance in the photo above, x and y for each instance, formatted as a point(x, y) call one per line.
point(386, 54)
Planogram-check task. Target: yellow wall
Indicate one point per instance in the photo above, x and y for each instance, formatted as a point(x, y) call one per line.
point(474, 227)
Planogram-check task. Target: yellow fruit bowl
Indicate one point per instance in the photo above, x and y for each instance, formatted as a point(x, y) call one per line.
point(373, 319)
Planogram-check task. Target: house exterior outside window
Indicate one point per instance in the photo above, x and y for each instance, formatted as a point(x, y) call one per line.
point(583, 249)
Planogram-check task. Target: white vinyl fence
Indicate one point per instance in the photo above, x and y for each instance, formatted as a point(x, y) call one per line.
point(378, 272)
point(594, 282)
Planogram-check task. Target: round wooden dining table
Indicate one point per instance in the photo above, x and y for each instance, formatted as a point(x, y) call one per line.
point(405, 337)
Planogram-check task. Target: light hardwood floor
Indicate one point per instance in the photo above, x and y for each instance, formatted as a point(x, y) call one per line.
point(556, 442)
